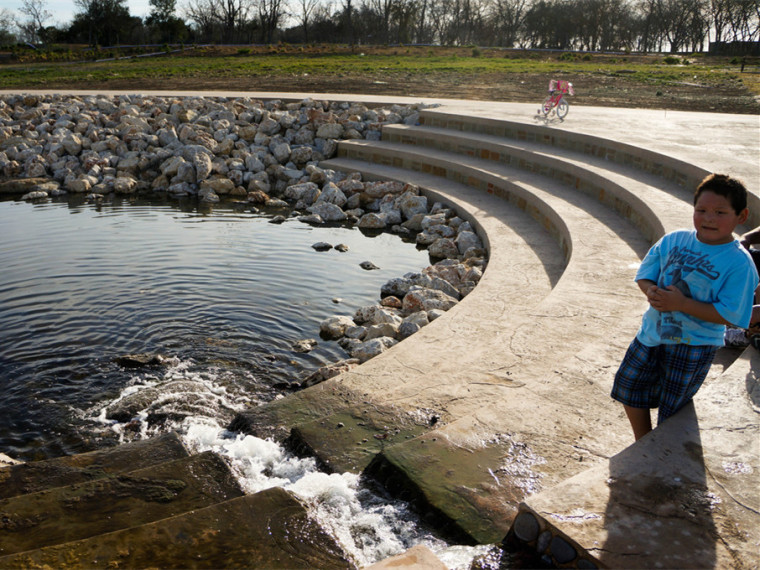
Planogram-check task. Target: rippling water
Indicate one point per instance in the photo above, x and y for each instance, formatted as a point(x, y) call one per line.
point(222, 291)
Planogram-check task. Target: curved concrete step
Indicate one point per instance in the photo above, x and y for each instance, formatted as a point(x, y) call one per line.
point(637, 157)
point(653, 204)
point(270, 529)
point(83, 510)
point(61, 471)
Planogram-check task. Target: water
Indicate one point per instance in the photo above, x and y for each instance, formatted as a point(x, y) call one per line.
point(222, 294)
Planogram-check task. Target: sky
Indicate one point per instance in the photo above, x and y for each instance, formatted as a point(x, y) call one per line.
point(63, 10)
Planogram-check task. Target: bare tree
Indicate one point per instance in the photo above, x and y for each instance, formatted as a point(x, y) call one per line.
point(508, 16)
point(7, 27)
point(232, 14)
point(271, 12)
point(404, 13)
point(306, 9)
point(384, 10)
point(202, 14)
point(745, 19)
point(719, 13)
point(36, 15)
point(221, 20)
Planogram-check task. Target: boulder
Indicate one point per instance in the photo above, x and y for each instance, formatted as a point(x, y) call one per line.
point(366, 350)
point(335, 327)
point(411, 205)
point(328, 212)
point(422, 299)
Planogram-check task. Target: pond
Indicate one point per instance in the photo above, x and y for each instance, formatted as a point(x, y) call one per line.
point(221, 292)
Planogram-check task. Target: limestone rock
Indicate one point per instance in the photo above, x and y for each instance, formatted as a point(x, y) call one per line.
point(335, 327)
point(328, 212)
point(421, 299)
point(367, 350)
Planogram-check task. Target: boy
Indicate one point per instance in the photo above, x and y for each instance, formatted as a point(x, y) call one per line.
point(696, 281)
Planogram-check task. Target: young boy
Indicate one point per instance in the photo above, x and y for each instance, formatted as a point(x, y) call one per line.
point(696, 282)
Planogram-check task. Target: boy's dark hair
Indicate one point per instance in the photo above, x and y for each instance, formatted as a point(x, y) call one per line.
point(723, 185)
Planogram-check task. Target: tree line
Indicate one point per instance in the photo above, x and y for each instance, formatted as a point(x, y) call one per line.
point(593, 25)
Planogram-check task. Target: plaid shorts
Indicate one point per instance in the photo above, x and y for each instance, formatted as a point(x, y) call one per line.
point(665, 376)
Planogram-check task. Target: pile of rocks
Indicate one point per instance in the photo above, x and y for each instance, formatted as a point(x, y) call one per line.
point(205, 146)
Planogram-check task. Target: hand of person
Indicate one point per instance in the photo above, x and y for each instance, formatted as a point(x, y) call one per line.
point(666, 299)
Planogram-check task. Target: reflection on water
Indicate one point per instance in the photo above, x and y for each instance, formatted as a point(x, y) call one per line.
point(222, 291)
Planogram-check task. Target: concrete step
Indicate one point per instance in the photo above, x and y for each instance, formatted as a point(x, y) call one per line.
point(684, 496)
point(270, 529)
point(61, 471)
point(118, 501)
point(653, 204)
point(683, 173)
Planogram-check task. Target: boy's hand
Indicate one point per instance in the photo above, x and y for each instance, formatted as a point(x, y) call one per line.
point(666, 299)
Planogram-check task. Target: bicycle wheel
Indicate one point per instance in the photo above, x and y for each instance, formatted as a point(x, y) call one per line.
point(562, 108)
point(547, 105)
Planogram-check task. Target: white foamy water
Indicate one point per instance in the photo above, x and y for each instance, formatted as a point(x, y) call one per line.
point(369, 526)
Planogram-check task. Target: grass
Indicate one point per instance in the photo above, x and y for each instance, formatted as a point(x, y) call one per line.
point(330, 60)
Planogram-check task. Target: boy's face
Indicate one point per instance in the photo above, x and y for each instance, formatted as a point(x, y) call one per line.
point(715, 218)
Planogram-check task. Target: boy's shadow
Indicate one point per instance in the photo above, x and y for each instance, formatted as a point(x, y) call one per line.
point(658, 493)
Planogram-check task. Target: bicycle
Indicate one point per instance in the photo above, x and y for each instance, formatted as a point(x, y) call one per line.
point(555, 102)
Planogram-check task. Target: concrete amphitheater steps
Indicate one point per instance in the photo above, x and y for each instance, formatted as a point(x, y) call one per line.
point(621, 156)
point(270, 529)
point(488, 365)
point(151, 504)
point(36, 476)
point(652, 203)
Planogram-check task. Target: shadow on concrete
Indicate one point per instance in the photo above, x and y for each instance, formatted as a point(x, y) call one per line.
point(659, 513)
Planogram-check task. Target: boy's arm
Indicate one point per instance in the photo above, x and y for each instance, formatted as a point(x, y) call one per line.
point(672, 299)
point(645, 285)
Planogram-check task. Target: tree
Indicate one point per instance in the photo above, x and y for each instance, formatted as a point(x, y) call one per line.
point(226, 21)
point(508, 17)
point(271, 12)
point(7, 27)
point(106, 21)
point(165, 26)
point(201, 12)
point(306, 9)
point(36, 16)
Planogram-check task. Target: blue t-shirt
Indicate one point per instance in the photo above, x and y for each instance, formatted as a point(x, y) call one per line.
point(722, 275)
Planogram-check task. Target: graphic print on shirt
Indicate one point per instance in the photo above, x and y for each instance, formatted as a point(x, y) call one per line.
point(692, 273)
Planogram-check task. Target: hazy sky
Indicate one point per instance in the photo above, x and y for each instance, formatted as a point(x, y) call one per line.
point(63, 10)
